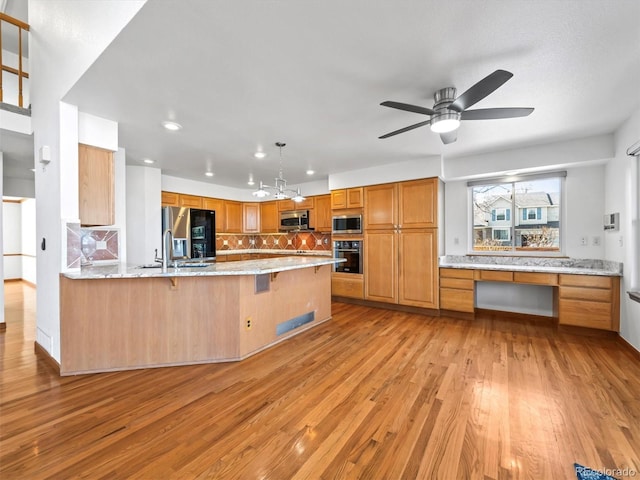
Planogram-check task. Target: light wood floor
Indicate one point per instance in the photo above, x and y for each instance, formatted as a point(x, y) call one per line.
point(371, 394)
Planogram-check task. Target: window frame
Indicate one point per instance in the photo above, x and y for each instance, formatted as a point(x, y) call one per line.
point(514, 251)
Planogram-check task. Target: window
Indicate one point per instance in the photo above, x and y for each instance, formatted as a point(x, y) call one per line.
point(535, 227)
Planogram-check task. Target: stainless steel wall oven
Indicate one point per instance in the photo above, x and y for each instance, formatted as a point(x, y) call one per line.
point(351, 250)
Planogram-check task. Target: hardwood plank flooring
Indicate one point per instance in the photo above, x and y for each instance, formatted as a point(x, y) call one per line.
point(371, 394)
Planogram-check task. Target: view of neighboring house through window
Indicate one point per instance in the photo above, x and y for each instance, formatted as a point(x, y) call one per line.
point(521, 214)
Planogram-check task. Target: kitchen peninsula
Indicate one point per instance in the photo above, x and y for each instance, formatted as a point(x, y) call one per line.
point(119, 318)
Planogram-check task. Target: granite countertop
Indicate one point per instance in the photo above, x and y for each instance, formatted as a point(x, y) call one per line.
point(314, 253)
point(575, 266)
point(243, 267)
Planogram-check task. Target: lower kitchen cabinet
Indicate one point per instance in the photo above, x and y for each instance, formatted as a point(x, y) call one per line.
point(402, 267)
point(457, 290)
point(347, 285)
point(589, 301)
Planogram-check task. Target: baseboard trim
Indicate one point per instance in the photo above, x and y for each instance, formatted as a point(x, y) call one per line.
point(630, 348)
point(46, 357)
point(388, 306)
point(505, 315)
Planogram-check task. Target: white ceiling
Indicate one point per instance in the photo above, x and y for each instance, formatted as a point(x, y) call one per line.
point(240, 76)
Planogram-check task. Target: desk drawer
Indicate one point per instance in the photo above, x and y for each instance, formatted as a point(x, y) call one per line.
point(592, 294)
point(586, 314)
point(456, 273)
point(536, 278)
point(457, 300)
point(595, 281)
point(495, 276)
point(460, 283)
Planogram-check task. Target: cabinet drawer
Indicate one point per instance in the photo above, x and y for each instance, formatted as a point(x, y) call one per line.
point(582, 313)
point(495, 276)
point(457, 300)
point(456, 273)
point(459, 283)
point(536, 278)
point(586, 281)
point(581, 293)
point(347, 287)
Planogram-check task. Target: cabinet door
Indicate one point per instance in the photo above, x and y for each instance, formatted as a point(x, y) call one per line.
point(380, 266)
point(338, 199)
point(217, 205)
point(380, 209)
point(418, 268)
point(417, 203)
point(95, 186)
point(286, 205)
point(170, 199)
point(269, 217)
point(321, 217)
point(190, 201)
point(250, 217)
point(355, 197)
point(233, 217)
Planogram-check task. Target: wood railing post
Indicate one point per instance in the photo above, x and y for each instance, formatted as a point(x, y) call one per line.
point(1, 70)
point(19, 67)
point(5, 68)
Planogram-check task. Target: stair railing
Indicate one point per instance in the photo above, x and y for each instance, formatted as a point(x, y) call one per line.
point(6, 68)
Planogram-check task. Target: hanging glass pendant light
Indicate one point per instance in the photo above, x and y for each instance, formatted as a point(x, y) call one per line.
point(279, 189)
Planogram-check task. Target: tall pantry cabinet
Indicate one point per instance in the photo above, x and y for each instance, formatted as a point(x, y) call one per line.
point(401, 243)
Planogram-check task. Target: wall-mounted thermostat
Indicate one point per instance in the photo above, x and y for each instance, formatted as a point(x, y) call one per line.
point(612, 221)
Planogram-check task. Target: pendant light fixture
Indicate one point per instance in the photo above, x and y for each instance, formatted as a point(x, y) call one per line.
point(279, 189)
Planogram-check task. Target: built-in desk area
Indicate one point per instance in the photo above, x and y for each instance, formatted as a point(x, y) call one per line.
point(586, 293)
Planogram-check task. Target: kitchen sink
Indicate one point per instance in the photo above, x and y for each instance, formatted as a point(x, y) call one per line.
point(150, 265)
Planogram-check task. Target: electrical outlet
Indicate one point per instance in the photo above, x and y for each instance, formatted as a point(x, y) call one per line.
point(595, 241)
point(248, 323)
point(584, 241)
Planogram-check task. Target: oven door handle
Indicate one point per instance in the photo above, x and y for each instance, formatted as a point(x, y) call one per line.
point(347, 250)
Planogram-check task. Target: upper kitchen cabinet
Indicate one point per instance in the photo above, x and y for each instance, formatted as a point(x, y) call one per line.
point(217, 205)
point(411, 204)
point(269, 217)
point(347, 198)
point(233, 217)
point(289, 205)
point(170, 199)
point(96, 186)
point(190, 201)
point(320, 219)
point(251, 217)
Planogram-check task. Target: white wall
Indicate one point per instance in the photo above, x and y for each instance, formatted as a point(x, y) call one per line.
point(1, 243)
point(28, 247)
point(65, 39)
point(621, 186)
point(144, 221)
point(12, 239)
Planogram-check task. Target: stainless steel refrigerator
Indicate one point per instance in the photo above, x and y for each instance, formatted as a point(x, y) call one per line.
point(193, 233)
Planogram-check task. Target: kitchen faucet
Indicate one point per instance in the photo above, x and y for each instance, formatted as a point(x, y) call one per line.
point(165, 250)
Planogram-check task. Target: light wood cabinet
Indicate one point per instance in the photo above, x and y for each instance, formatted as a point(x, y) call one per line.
point(417, 268)
point(381, 266)
point(190, 201)
point(457, 290)
point(347, 285)
point(250, 217)
point(170, 199)
point(321, 219)
point(96, 186)
point(589, 301)
point(232, 216)
point(269, 217)
point(217, 205)
point(289, 205)
point(347, 198)
point(410, 204)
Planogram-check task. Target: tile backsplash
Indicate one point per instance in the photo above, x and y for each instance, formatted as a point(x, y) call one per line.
point(274, 241)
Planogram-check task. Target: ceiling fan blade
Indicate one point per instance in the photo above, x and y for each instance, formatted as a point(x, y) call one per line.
point(408, 108)
point(495, 113)
point(477, 92)
point(449, 137)
point(406, 129)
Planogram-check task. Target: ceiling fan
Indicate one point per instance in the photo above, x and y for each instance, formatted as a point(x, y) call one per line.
point(448, 110)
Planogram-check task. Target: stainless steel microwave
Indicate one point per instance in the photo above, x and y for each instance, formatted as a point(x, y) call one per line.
point(351, 223)
point(294, 220)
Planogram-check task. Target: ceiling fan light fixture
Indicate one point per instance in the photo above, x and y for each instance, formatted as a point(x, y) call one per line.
point(445, 122)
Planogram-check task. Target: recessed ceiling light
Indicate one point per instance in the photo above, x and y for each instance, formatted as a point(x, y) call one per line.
point(148, 161)
point(251, 182)
point(310, 172)
point(209, 174)
point(173, 126)
point(259, 154)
